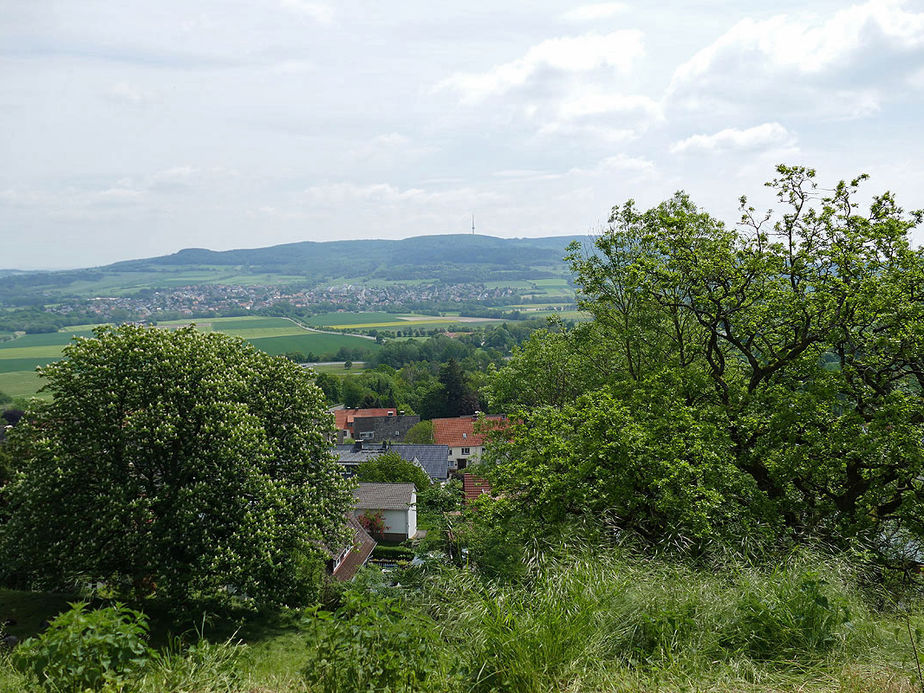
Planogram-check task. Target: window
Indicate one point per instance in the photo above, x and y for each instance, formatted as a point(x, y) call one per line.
point(366, 435)
point(466, 451)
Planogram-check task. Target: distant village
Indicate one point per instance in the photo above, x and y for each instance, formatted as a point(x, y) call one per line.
point(224, 299)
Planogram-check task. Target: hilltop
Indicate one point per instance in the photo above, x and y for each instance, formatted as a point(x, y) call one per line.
point(450, 258)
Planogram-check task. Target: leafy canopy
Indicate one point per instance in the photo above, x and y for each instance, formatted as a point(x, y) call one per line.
point(768, 375)
point(183, 463)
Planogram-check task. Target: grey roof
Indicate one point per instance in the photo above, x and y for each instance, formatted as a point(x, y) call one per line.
point(384, 496)
point(434, 459)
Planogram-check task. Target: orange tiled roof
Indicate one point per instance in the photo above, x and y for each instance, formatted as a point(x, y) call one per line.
point(343, 418)
point(459, 431)
point(474, 486)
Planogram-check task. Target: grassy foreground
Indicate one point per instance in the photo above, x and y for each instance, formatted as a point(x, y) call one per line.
point(599, 622)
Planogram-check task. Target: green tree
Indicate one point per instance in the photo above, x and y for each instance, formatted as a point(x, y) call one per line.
point(420, 433)
point(330, 386)
point(352, 392)
point(391, 468)
point(184, 463)
point(793, 344)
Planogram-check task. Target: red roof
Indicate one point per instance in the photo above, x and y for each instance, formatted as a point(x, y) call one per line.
point(359, 553)
point(343, 418)
point(474, 486)
point(459, 431)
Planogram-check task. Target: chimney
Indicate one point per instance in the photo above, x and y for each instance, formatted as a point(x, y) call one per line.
point(357, 446)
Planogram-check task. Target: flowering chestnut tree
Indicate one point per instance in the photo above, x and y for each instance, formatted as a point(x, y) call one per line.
point(182, 463)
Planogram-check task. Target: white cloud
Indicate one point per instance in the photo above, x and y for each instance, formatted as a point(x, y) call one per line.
point(757, 137)
point(593, 103)
point(294, 67)
point(594, 132)
point(787, 42)
point(130, 94)
point(600, 10)
point(391, 139)
point(319, 12)
point(840, 66)
point(624, 164)
point(388, 194)
point(575, 54)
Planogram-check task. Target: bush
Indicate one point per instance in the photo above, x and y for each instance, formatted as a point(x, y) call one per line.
point(87, 649)
point(790, 614)
point(396, 553)
point(373, 643)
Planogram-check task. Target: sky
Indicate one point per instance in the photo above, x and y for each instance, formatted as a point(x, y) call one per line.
point(131, 128)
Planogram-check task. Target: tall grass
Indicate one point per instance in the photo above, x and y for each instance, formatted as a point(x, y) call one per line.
point(579, 621)
point(607, 622)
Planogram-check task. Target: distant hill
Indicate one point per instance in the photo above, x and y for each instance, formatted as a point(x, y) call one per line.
point(459, 258)
point(373, 257)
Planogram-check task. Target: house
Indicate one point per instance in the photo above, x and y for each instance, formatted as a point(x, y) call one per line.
point(397, 505)
point(344, 565)
point(376, 429)
point(458, 434)
point(344, 418)
point(433, 459)
point(473, 487)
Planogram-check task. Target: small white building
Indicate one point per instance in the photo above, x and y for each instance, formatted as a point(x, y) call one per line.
point(397, 504)
point(464, 442)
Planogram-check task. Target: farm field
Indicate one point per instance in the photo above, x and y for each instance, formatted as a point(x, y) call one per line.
point(392, 321)
point(122, 283)
point(19, 357)
point(331, 319)
point(21, 384)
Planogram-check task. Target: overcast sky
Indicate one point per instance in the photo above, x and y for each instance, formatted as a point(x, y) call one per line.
point(131, 128)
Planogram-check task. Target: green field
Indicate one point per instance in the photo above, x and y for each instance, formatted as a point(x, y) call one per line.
point(21, 384)
point(20, 356)
point(318, 343)
point(330, 319)
point(116, 283)
point(44, 340)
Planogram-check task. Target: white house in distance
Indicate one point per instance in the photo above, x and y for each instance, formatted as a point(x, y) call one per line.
point(458, 433)
point(396, 502)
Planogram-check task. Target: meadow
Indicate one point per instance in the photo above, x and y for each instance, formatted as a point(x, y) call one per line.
point(20, 356)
